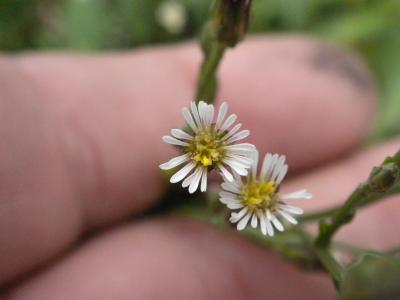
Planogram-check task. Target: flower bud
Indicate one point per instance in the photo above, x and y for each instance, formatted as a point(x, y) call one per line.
point(231, 20)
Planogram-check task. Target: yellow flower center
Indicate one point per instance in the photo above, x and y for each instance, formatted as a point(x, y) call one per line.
point(258, 194)
point(207, 147)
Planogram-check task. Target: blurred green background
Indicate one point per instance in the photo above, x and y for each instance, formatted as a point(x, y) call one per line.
point(371, 27)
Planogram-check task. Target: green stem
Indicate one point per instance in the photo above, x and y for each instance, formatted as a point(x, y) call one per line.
point(226, 26)
point(207, 83)
point(310, 217)
point(382, 181)
point(330, 264)
point(342, 216)
point(313, 216)
point(324, 256)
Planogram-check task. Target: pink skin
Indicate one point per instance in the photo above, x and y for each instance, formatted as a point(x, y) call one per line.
point(80, 148)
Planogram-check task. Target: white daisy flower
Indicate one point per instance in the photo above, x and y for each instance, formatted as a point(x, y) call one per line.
point(207, 145)
point(258, 201)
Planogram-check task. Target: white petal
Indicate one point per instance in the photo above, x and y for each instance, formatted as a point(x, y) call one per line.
point(205, 116)
point(241, 146)
point(270, 228)
point(278, 166)
point(268, 166)
point(221, 114)
point(254, 163)
point(196, 180)
point(287, 216)
point(291, 209)
point(272, 168)
point(188, 180)
point(237, 180)
point(243, 222)
point(174, 162)
point(189, 119)
point(173, 141)
point(210, 114)
point(225, 194)
point(239, 136)
point(282, 174)
point(265, 165)
point(226, 174)
point(237, 167)
point(263, 224)
point(229, 197)
point(228, 122)
point(243, 149)
point(237, 216)
point(254, 221)
point(229, 201)
point(232, 131)
point(195, 113)
point(302, 194)
point(236, 162)
point(242, 152)
point(180, 134)
point(230, 187)
point(278, 225)
point(233, 205)
point(203, 112)
point(268, 215)
point(178, 176)
point(203, 186)
point(245, 161)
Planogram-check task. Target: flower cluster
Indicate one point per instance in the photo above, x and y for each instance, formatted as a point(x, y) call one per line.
point(208, 145)
point(258, 199)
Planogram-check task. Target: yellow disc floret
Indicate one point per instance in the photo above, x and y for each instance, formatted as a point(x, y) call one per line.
point(258, 194)
point(207, 147)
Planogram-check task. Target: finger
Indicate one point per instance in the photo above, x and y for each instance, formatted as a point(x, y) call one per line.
point(373, 226)
point(90, 130)
point(176, 259)
point(128, 113)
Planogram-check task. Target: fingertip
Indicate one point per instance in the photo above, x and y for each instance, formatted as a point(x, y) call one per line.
point(299, 96)
point(183, 259)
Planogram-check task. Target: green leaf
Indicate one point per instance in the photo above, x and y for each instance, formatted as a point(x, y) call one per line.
point(373, 277)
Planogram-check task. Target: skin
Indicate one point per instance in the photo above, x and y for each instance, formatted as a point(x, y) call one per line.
point(80, 148)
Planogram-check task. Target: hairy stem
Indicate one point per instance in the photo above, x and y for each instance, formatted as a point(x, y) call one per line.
point(207, 82)
point(318, 215)
point(382, 181)
point(226, 26)
point(330, 264)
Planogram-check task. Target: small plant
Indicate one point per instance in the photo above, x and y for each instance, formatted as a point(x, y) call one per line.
point(208, 142)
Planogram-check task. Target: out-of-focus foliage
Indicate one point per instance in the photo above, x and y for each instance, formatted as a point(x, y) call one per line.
point(372, 277)
point(371, 27)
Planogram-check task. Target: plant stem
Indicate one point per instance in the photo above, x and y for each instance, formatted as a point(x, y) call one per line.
point(207, 83)
point(225, 28)
point(330, 264)
point(342, 216)
point(310, 217)
point(383, 181)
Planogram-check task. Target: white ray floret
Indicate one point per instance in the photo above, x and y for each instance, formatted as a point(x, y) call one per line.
point(257, 201)
point(208, 144)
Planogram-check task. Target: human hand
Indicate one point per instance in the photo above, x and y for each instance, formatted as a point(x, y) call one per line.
point(80, 149)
